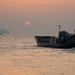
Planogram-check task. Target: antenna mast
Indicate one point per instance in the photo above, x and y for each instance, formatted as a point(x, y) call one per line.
point(59, 28)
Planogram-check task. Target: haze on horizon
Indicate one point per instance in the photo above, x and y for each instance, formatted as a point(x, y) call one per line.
point(44, 16)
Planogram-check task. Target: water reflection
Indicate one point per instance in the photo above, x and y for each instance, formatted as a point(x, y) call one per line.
point(20, 56)
point(71, 50)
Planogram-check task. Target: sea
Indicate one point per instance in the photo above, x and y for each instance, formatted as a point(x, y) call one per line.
point(20, 55)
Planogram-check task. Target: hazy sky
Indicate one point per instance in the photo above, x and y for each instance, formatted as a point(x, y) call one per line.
point(44, 16)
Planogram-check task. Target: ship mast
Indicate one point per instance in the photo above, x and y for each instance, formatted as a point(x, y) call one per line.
point(59, 27)
point(59, 30)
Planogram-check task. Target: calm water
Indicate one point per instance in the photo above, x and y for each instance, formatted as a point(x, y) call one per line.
point(19, 55)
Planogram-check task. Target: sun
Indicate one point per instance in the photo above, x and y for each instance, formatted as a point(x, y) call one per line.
point(27, 23)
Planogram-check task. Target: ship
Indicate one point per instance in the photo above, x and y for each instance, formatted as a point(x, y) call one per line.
point(4, 31)
point(64, 40)
point(0, 33)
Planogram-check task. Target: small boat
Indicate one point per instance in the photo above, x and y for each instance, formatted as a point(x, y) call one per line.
point(4, 31)
point(64, 40)
point(1, 34)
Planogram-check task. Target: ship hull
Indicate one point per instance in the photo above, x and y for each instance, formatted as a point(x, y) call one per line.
point(55, 44)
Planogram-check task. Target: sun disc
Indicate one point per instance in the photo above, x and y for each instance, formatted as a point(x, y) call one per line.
point(27, 23)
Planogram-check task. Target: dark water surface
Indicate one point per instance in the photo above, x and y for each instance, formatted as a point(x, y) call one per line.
point(19, 55)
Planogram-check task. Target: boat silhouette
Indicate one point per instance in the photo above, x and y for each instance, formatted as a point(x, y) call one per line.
point(4, 31)
point(64, 40)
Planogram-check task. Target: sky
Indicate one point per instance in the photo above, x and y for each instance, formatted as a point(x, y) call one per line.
point(44, 16)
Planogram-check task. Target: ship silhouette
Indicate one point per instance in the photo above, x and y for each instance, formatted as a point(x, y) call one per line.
point(64, 40)
point(4, 31)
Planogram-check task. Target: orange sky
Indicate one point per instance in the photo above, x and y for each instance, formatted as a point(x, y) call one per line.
point(40, 13)
point(37, 5)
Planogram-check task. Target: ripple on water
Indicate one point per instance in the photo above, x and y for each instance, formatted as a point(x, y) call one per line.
point(21, 56)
